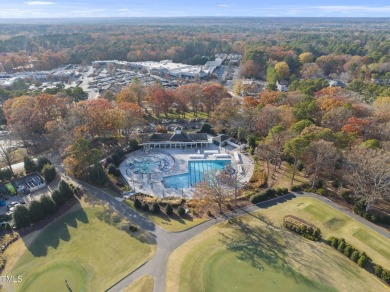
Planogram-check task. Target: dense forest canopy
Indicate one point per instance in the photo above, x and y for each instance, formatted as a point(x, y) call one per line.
point(180, 39)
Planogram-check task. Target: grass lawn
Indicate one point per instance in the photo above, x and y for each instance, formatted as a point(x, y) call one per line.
point(143, 284)
point(333, 223)
point(89, 246)
point(172, 223)
point(254, 253)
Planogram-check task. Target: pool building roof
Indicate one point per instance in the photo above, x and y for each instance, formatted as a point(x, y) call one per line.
point(178, 137)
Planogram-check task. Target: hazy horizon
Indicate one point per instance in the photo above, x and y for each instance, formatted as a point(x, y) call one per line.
point(200, 8)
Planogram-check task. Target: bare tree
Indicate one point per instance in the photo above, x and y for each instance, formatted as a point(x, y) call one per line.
point(319, 159)
point(368, 174)
point(213, 188)
point(7, 153)
point(232, 176)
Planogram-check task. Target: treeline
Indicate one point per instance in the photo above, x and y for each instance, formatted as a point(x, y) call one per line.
point(37, 210)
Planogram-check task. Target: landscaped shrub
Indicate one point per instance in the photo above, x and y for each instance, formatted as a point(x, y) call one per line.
point(355, 256)
point(362, 261)
point(279, 191)
point(111, 168)
point(181, 211)
point(49, 173)
point(145, 207)
point(321, 192)
point(169, 209)
point(348, 250)
point(257, 198)
point(155, 207)
point(284, 191)
point(133, 228)
point(137, 204)
point(386, 276)
point(378, 270)
point(341, 245)
point(296, 188)
point(360, 209)
point(301, 227)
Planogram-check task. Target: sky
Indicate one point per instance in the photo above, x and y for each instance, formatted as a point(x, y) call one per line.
point(182, 8)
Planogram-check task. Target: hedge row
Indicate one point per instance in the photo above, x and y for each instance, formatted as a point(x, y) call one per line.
point(299, 226)
point(24, 216)
point(360, 209)
point(155, 208)
point(269, 193)
point(359, 257)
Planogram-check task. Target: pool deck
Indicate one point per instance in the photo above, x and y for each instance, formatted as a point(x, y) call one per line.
point(152, 184)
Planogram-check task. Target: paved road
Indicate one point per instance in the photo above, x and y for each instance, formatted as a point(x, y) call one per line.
point(167, 242)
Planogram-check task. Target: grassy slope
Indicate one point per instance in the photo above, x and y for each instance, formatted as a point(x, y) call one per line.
point(90, 253)
point(143, 284)
point(254, 251)
point(171, 223)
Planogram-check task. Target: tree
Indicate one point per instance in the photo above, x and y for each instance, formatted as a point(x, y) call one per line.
point(41, 162)
point(169, 209)
point(282, 70)
point(65, 189)
point(49, 173)
point(7, 154)
point(306, 57)
point(58, 198)
point(155, 208)
point(368, 174)
point(355, 125)
point(295, 147)
point(21, 217)
point(48, 205)
point(320, 158)
point(206, 128)
point(181, 211)
point(212, 94)
point(37, 213)
point(137, 204)
point(212, 189)
point(29, 165)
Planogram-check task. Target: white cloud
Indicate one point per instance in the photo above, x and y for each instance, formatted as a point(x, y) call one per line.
point(39, 3)
point(223, 5)
point(345, 8)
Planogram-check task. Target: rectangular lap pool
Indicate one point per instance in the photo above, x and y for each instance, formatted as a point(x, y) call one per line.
point(194, 175)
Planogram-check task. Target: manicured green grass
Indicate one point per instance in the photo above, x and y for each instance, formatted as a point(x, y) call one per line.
point(90, 247)
point(172, 223)
point(255, 253)
point(143, 284)
point(333, 223)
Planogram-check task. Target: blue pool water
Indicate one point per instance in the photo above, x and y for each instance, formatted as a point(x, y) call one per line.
point(194, 175)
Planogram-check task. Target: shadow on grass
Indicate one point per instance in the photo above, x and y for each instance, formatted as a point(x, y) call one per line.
point(120, 222)
point(53, 234)
point(267, 246)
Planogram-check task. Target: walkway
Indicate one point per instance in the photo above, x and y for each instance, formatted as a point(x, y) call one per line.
point(167, 242)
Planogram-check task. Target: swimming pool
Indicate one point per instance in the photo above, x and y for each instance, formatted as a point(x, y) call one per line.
point(150, 164)
point(194, 175)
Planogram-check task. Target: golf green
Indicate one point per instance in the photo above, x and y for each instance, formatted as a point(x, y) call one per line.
point(89, 247)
